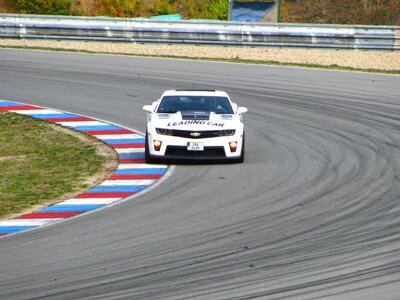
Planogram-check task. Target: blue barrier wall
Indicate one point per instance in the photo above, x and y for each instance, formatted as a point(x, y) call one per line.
point(250, 11)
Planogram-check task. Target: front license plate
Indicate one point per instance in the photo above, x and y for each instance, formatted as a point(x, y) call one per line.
point(195, 146)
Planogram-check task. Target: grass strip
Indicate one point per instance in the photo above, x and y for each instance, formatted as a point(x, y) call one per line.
point(234, 60)
point(43, 163)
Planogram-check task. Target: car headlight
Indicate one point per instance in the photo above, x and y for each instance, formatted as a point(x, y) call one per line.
point(228, 132)
point(164, 131)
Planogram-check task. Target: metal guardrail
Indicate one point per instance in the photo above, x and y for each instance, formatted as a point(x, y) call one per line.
point(199, 32)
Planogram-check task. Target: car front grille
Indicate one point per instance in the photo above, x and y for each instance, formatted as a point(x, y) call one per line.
point(196, 134)
point(182, 152)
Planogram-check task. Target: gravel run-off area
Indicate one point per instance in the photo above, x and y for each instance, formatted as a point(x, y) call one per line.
point(360, 59)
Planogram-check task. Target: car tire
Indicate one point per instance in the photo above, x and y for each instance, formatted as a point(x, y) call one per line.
point(147, 157)
point(241, 157)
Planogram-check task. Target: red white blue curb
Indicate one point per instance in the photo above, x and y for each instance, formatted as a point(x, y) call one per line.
point(132, 176)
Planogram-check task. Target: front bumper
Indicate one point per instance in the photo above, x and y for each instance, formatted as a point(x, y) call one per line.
point(176, 147)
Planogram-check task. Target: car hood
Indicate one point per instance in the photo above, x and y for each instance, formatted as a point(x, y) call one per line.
point(196, 121)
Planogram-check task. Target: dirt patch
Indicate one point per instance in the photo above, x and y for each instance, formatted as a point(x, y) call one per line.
point(7, 7)
point(14, 158)
point(86, 8)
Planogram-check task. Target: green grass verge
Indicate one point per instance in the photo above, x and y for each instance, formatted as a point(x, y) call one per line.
point(236, 60)
point(40, 162)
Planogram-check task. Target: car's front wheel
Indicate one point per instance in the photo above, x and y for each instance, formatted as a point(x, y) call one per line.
point(241, 157)
point(147, 157)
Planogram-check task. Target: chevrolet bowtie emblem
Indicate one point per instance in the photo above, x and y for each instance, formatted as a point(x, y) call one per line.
point(195, 134)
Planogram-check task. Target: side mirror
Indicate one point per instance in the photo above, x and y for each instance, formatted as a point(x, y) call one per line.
point(148, 108)
point(242, 110)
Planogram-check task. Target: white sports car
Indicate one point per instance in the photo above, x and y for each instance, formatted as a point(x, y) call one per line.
point(194, 124)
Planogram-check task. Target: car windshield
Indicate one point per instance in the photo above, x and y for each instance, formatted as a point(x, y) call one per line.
point(173, 104)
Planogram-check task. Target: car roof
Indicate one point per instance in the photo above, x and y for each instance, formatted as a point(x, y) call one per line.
point(195, 93)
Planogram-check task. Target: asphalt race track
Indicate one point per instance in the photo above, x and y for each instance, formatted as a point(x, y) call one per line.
point(313, 213)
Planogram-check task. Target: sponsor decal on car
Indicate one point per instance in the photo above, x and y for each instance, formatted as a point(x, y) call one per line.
point(195, 122)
